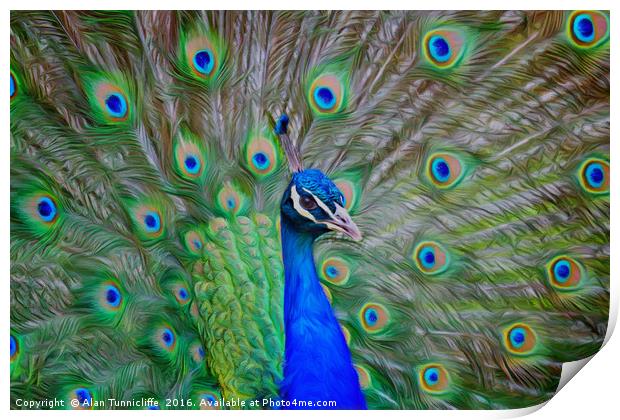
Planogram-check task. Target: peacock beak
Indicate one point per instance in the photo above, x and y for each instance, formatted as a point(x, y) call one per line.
point(341, 221)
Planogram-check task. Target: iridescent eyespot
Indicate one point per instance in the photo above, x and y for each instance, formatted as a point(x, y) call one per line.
point(152, 222)
point(594, 176)
point(374, 317)
point(204, 54)
point(46, 209)
point(112, 100)
point(167, 338)
point(204, 61)
point(519, 339)
point(230, 200)
point(13, 86)
point(363, 376)
point(444, 170)
point(444, 47)
point(350, 192)
point(588, 28)
point(335, 270)
point(209, 400)
point(197, 353)
point(327, 94)
point(189, 159)
point(328, 293)
point(564, 273)
point(434, 378)
point(116, 105)
point(83, 399)
point(261, 154)
point(194, 242)
point(111, 296)
point(14, 348)
point(181, 294)
point(346, 334)
point(430, 258)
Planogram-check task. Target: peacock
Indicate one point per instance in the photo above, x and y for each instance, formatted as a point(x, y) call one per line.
point(306, 209)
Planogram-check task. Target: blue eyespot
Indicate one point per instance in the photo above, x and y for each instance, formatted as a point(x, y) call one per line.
point(201, 352)
point(183, 293)
point(371, 317)
point(441, 170)
point(331, 271)
point(46, 209)
point(113, 296)
point(431, 376)
point(427, 257)
point(517, 337)
point(439, 48)
point(230, 202)
point(260, 160)
point(12, 85)
point(595, 174)
point(13, 346)
point(116, 105)
point(152, 222)
point(167, 337)
point(192, 164)
point(583, 28)
point(562, 271)
point(84, 397)
point(203, 61)
point(324, 97)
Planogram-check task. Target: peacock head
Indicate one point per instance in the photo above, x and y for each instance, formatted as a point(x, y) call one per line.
point(313, 204)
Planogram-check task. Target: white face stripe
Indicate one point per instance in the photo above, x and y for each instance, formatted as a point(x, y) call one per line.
point(305, 213)
point(297, 206)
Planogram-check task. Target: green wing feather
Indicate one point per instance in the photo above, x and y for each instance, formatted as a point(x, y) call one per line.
point(158, 273)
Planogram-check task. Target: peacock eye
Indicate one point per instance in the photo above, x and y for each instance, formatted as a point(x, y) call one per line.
point(308, 203)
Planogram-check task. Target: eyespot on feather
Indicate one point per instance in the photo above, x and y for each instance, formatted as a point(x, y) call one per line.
point(15, 348)
point(166, 338)
point(335, 270)
point(374, 317)
point(148, 217)
point(433, 378)
point(444, 170)
point(208, 400)
point(112, 101)
point(326, 94)
point(189, 160)
point(197, 353)
point(181, 294)
point(564, 273)
point(587, 29)
point(363, 376)
point(110, 296)
point(430, 258)
point(350, 191)
point(230, 200)
point(204, 55)
point(194, 242)
point(83, 398)
point(519, 339)
point(444, 48)
point(14, 87)
point(594, 176)
point(261, 155)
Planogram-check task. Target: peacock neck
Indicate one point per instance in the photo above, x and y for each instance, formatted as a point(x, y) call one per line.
point(317, 359)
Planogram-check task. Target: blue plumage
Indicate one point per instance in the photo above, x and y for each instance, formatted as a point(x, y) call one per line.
point(318, 363)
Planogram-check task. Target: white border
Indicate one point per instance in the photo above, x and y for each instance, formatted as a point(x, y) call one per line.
point(592, 395)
